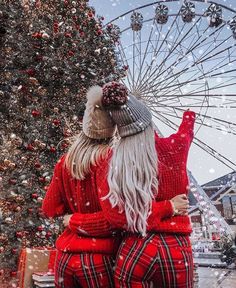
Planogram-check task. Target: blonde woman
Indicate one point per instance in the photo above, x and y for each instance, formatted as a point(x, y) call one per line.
point(143, 166)
point(83, 260)
point(133, 202)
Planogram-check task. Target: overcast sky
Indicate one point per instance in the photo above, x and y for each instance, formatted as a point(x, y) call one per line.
point(204, 167)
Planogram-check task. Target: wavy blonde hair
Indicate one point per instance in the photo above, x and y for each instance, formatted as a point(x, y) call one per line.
point(132, 178)
point(85, 153)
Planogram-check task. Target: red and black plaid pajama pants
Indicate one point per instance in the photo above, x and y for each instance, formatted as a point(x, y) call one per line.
point(84, 270)
point(157, 260)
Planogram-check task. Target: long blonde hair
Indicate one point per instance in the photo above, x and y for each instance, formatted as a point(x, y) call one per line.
point(83, 154)
point(132, 178)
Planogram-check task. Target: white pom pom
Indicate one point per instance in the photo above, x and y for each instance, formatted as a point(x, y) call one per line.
point(94, 95)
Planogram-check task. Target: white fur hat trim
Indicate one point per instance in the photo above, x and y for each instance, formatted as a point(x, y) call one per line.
point(94, 95)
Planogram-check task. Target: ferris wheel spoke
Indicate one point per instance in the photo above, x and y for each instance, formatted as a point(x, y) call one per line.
point(222, 125)
point(154, 52)
point(126, 63)
point(178, 60)
point(202, 77)
point(146, 51)
point(161, 45)
point(199, 61)
point(202, 71)
point(195, 45)
point(219, 87)
point(198, 97)
point(137, 54)
point(172, 55)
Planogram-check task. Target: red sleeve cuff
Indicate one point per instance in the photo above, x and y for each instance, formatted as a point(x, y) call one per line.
point(166, 210)
point(189, 115)
point(160, 210)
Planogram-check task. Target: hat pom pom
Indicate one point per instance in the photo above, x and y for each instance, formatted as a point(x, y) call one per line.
point(114, 94)
point(94, 95)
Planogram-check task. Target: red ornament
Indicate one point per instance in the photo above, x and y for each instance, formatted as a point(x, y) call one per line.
point(30, 210)
point(56, 27)
point(30, 147)
point(14, 250)
point(34, 195)
point(64, 146)
point(19, 234)
point(56, 122)
point(99, 32)
point(71, 53)
point(90, 14)
point(53, 149)
point(40, 228)
point(37, 35)
point(48, 234)
point(35, 113)
point(13, 273)
point(42, 179)
point(66, 133)
point(37, 165)
point(31, 72)
point(68, 35)
point(102, 18)
point(82, 34)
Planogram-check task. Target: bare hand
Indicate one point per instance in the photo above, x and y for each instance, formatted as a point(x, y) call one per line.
point(181, 204)
point(66, 220)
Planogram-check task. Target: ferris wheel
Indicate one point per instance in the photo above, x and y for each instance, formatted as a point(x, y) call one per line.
point(178, 55)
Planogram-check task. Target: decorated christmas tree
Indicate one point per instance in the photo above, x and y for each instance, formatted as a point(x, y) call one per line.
point(51, 51)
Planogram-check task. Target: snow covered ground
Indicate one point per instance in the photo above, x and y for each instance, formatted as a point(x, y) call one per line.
point(216, 278)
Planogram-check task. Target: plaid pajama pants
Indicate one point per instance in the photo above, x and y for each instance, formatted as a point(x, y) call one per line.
point(157, 260)
point(84, 270)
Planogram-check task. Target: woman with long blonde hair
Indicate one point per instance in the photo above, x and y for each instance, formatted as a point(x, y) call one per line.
point(84, 254)
point(143, 167)
point(143, 188)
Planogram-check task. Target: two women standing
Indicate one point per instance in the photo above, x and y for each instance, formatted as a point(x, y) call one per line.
point(138, 185)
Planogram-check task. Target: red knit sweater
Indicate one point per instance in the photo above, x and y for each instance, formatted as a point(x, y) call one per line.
point(173, 180)
point(67, 195)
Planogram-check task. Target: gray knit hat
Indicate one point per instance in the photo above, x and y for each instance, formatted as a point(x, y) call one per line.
point(97, 124)
point(129, 114)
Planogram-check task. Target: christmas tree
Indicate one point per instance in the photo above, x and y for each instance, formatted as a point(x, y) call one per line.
point(51, 52)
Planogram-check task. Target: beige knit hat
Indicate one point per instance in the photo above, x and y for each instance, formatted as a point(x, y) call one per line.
point(97, 124)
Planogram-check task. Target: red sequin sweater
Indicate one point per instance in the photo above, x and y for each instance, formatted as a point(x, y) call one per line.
point(173, 180)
